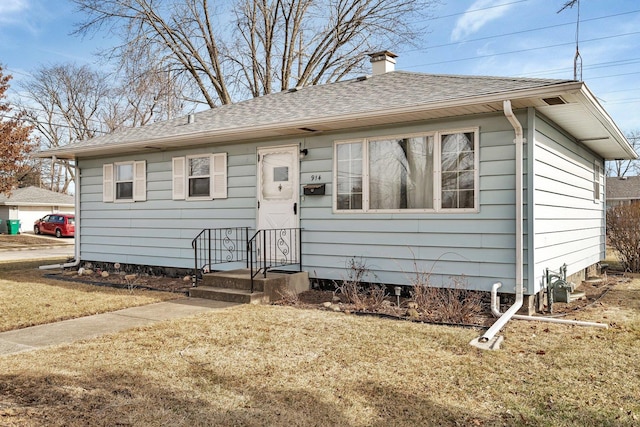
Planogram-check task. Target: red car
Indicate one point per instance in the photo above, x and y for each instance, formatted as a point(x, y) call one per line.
point(57, 224)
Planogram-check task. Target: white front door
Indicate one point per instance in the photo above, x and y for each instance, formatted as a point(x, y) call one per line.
point(278, 199)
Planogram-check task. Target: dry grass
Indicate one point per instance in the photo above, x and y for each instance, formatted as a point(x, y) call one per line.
point(281, 366)
point(27, 298)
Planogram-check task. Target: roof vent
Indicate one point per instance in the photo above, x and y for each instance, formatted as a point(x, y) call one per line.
point(382, 62)
point(361, 78)
point(554, 101)
point(191, 118)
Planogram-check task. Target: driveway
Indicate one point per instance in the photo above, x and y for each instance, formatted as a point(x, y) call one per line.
point(21, 247)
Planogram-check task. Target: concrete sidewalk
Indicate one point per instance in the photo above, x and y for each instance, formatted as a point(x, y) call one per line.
point(68, 331)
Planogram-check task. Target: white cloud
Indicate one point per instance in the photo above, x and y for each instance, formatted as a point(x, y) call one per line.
point(10, 8)
point(474, 19)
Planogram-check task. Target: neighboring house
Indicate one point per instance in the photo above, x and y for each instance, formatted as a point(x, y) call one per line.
point(31, 203)
point(420, 172)
point(623, 190)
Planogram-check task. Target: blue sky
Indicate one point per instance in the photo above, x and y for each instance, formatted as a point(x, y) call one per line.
point(521, 38)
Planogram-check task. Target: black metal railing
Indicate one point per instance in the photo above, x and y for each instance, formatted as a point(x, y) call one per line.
point(273, 248)
point(214, 246)
point(265, 250)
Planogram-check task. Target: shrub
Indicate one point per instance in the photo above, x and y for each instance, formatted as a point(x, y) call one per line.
point(623, 231)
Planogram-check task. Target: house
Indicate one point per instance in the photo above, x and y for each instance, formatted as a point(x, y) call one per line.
point(486, 178)
point(623, 190)
point(31, 203)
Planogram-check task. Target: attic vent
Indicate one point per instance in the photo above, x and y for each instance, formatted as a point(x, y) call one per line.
point(554, 101)
point(361, 78)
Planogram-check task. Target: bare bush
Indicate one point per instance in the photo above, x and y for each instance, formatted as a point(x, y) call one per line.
point(376, 296)
point(356, 291)
point(451, 304)
point(623, 231)
point(288, 296)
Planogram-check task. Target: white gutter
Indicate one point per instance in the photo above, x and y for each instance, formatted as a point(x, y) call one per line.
point(76, 231)
point(519, 141)
point(495, 310)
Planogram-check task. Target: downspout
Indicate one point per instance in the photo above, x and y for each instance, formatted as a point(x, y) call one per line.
point(495, 310)
point(519, 141)
point(76, 232)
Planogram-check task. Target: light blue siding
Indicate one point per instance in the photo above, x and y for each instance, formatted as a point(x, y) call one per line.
point(569, 225)
point(479, 246)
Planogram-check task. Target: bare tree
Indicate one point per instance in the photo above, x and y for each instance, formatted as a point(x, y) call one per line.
point(275, 44)
point(620, 168)
point(68, 106)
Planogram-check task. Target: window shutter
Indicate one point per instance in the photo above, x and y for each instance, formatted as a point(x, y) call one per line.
point(179, 166)
point(140, 181)
point(107, 182)
point(218, 173)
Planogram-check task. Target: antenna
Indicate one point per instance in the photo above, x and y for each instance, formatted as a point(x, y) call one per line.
point(577, 59)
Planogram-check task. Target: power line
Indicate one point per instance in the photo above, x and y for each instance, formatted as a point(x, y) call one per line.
point(30, 120)
point(471, 11)
point(530, 30)
point(522, 50)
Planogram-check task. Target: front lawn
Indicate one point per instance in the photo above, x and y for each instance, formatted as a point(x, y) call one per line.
point(284, 366)
point(27, 298)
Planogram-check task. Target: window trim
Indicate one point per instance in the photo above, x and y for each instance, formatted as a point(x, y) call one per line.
point(187, 177)
point(597, 181)
point(139, 182)
point(218, 179)
point(437, 172)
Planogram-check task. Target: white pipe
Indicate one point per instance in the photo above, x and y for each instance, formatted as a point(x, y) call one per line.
point(76, 231)
point(495, 310)
point(519, 141)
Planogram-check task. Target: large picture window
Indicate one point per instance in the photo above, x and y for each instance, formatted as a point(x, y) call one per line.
point(426, 172)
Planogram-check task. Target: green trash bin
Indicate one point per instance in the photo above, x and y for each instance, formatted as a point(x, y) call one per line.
point(13, 226)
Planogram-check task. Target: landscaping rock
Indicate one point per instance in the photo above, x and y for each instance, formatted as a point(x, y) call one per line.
point(105, 274)
point(130, 277)
point(412, 313)
point(327, 304)
point(186, 279)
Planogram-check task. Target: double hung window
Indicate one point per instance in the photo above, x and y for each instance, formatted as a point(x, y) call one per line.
point(124, 181)
point(200, 177)
point(422, 172)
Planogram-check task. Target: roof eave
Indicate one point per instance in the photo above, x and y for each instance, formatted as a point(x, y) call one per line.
point(351, 121)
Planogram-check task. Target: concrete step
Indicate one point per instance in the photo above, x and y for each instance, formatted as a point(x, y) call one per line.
point(227, 294)
point(235, 286)
point(234, 279)
point(576, 295)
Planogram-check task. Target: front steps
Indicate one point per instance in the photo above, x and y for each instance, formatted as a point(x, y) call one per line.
point(235, 286)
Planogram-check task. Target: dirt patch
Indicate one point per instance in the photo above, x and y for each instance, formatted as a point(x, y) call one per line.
point(126, 281)
point(328, 300)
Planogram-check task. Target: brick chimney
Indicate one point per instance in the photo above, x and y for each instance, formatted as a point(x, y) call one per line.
point(382, 62)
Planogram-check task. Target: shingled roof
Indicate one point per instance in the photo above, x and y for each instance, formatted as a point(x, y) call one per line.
point(388, 98)
point(34, 196)
point(626, 188)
